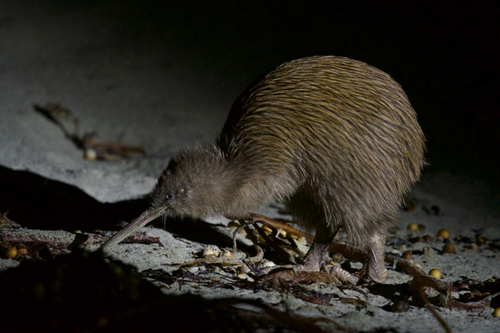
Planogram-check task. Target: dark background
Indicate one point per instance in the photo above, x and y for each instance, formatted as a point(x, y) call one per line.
point(445, 54)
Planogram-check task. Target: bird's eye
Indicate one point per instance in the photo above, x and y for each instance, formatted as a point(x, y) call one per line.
point(170, 196)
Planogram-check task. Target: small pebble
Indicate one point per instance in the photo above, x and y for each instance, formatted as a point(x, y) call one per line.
point(266, 263)
point(427, 251)
point(407, 255)
point(227, 254)
point(211, 252)
point(193, 269)
point(244, 276)
point(435, 273)
point(245, 269)
point(473, 246)
point(443, 233)
point(428, 238)
point(400, 306)
point(448, 248)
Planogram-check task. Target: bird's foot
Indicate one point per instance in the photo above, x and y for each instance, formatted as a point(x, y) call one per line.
point(307, 274)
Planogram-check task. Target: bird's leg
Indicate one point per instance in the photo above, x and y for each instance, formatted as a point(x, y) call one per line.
point(310, 270)
point(376, 270)
point(317, 252)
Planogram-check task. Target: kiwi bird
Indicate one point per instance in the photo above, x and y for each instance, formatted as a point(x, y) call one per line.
point(335, 139)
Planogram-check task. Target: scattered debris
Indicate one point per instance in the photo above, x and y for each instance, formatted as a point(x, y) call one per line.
point(108, 151)
point(283, 247)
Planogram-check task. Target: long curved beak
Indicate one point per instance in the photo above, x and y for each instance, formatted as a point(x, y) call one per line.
point(146, 217)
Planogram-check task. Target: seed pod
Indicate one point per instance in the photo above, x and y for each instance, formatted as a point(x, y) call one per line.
point(412, 227)
point(496, 313)
point(11, 252)
point(444, 234)
point(435, 273)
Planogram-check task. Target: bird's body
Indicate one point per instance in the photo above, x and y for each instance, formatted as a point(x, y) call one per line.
point(335, 139)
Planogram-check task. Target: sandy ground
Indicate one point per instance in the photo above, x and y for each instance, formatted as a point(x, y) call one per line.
point(154, 76)
point(372, 312)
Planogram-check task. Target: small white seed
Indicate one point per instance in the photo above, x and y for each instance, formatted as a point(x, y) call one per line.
point(90, 154)
point(193, 269)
